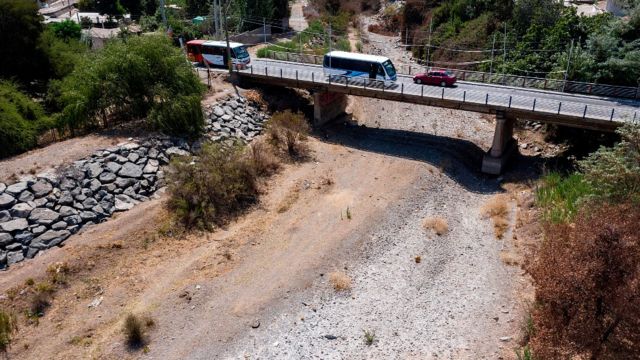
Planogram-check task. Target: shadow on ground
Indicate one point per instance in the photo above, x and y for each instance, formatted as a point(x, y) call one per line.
point(459, 159)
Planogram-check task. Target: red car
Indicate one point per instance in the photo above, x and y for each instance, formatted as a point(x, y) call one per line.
point(435, 77)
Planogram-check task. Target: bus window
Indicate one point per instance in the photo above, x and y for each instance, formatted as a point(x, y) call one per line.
point(391, 70)
point(240, 52)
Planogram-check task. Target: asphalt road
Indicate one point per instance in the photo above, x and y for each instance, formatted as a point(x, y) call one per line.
point(601, 108)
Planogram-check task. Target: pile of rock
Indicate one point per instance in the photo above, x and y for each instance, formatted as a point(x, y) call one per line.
point(234, 118)
point(42, 211)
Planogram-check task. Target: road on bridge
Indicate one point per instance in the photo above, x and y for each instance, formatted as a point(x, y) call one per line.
point(537, 101)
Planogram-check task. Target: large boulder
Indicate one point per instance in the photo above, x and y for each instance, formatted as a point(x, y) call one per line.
point(5, 239)
point(43, 216)
point(130, 170)
point(151, 167)
point(113, 167)
point(67, 211)
point(4, 216)
point(123, 202)
point(14, 257)
point(14, 225)
point(50, 238)
point(107, 177)
point(17, 188)
point(26, 196)
point(6, 201)
point(41, 188)
point(94, 170)
point(21, 210)
point(177, 151)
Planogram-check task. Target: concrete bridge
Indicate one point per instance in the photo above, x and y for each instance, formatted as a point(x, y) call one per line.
point(507, 103)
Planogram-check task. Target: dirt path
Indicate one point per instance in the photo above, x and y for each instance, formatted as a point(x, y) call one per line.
point(297, 20)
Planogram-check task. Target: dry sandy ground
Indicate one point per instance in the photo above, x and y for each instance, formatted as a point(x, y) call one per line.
point(265, 265)
point(39, 160)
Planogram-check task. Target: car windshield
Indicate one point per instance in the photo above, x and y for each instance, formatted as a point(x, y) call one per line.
point(240, 52)
point(391, 70)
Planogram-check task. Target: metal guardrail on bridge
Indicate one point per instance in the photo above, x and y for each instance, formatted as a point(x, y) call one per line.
point(532, 105)
point(576, 87)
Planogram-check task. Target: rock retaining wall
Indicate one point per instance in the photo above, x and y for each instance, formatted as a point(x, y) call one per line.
point(42, 211)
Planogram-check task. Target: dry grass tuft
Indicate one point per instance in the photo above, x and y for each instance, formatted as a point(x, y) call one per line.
point(340, 281)
point(289, 200)
point(497, 209)
point(509, 258)
point(437, 224)
point(255, 97)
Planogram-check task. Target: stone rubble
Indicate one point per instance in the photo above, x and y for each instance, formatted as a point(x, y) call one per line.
point(42, 211)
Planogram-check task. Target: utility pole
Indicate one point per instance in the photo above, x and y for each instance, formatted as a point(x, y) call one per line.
point(429, 43)
point(493, 46)
point(406, 37)
point(566, 73)
point(164, 15)
point(329, 44)
point(226, 35)
point(264, 29)
point(504, 50)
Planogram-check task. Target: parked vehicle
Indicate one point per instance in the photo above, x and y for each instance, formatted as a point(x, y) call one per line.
point(435, 77)
point(359, 65)
point(215, 53)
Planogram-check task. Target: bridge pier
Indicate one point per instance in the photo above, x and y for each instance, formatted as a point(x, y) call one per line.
point(327, 106)
point(503, 147)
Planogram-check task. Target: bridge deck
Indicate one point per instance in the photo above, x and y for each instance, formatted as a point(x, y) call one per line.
point(546, 106)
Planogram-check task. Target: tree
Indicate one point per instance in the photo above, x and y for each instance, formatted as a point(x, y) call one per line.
point(67, 29)
point(20, 28)
point(140, 78)
point(112, 8)
point(198, 7)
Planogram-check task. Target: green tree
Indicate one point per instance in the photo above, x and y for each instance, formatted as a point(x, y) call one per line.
point(21, 120)
point(112, 8)
point(67, 29)
point(142, 77)
point(198, 7)
point(20, 28)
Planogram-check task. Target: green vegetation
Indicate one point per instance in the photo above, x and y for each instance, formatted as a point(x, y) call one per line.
point(314, 39)
point(537, 36)
point(8, 326)
point(369, 337)
point(142, 77)
point(560, 196)
point(67, 29)
point(21, 120)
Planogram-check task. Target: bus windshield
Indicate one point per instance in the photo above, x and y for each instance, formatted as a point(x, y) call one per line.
point(240, 52)
point(391, 70)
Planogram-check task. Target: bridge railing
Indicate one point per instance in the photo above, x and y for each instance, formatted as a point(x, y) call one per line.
point(534, 105)
point(627, 92)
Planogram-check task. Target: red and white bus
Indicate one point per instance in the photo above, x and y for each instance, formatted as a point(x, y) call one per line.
point(215, 53)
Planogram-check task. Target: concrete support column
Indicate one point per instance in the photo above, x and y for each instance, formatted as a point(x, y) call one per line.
point(328, 106)
point(503, 145)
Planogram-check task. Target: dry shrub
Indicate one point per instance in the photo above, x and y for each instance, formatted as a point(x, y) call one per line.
point(340, 281)
point(40, 301)
point(58, 272)
point(264, 163)
point(289, 200)
point(255, 97)
point(588, 286)
point(287, 132)
point(497, 209)
point(135, 330)
point(436, 224)
point(211, 188)
point(509, 258)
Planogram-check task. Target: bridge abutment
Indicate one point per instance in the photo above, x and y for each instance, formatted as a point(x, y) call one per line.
point(328, 106)
point(503, 147)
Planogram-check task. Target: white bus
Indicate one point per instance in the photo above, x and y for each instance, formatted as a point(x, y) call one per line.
point(215, 53)
point(359, 65)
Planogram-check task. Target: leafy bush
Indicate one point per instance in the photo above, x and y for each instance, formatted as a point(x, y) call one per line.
point(614, 173)
point(287, 132)
point(209, 189)
point(62, 53)
point(134, 78)
point(21, 120)
point(587, 286)
point(67, 29)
